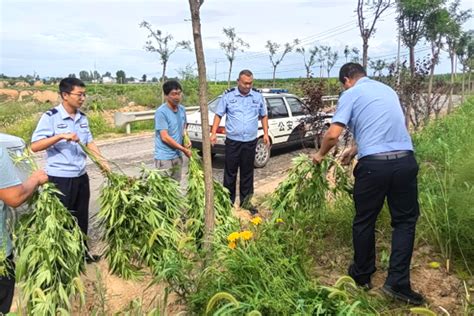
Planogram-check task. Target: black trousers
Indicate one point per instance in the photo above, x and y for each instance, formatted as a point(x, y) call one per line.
point(7, 287)
point(76, 196)
point(375, 180)
point(239, 155)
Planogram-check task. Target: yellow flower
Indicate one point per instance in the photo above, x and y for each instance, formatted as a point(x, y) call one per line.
point(246, 235)
point(232, 245)
point(279, 220)
point(233, 236)
point(256, 220)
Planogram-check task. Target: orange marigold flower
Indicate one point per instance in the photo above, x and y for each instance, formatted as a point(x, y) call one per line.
point(233, 236)
point(256, 220)
point(246, 235)
point(232, 245)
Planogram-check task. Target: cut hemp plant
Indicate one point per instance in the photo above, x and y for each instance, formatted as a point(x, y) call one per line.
point(50, 254)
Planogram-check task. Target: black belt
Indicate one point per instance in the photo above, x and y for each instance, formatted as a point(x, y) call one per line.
point(388, 156)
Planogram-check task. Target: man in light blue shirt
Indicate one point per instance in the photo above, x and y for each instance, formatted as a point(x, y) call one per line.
point(386, 169)
point(170, 128)
point(244, 106)
point(59, 131)
point(13, 193)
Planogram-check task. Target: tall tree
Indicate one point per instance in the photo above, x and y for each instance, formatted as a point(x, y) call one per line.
point(107, 74)
point(366, 26)
point(121, 76)
point(311, 61)
point(465, 54)
point(457, 19)
point(436, 28)
point(144, 78)
point(377, 66)
point(273, 49)
point(411, 23)
point(195, 6)
point(164, 46)
point(84, 75)
point(230, 47)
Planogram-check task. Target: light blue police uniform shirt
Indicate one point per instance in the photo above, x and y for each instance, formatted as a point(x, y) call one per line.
point(8, 179)
point(174, 123)
point(65, 158)
point(242, 113)
point(373, 113)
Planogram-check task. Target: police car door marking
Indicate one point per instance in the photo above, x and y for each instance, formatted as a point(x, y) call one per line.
point(289, 125)
point(281, 126)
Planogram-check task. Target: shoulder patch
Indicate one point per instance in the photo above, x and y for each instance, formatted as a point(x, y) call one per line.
point(229, 90)
point(51, 112)
point(82, 113)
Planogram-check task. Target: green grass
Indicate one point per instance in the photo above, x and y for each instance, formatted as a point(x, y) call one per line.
point(445, 150)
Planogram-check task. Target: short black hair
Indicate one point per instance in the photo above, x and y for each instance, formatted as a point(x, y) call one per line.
point(67, 85)
point(170, 85)
point(351, 70)
point(245, 72)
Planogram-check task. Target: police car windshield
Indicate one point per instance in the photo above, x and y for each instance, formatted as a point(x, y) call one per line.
point(213, 104)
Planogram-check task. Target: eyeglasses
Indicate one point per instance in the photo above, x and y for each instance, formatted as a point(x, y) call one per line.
point(80, 95)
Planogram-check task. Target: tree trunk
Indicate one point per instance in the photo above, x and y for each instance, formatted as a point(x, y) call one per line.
point(163, 81)
point(412, 61)
point(206, 143)
point(230, 72)
point(365, 52)
point(463, 83)
point(308, 72)
point(274, 71)
point(450, 101)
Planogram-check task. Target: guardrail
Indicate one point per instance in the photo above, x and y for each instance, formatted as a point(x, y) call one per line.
point(126, 118)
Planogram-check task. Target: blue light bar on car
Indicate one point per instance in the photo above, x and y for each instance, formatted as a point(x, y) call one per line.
point(274, 90)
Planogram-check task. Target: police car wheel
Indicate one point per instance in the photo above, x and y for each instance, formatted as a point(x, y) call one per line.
point(262, 154)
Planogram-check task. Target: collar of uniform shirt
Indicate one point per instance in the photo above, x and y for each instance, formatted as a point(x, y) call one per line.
point(237, 92)
point(65, 115)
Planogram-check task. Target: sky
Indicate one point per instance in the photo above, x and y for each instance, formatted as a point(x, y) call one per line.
point(56, 38)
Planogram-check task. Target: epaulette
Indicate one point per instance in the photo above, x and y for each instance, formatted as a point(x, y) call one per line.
point(229, 90)
point(51, 112)
point(82, 113)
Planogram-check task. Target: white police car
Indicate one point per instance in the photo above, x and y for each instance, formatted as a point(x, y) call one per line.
point(286, 124)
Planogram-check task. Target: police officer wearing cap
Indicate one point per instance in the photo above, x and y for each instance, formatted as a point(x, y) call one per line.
point(244, 106)
point(58, 132)
point(386, 169)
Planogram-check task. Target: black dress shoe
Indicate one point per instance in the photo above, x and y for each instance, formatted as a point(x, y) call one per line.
point(367, 285)
point(91, 258)
point(406, 295)
point(253, 210)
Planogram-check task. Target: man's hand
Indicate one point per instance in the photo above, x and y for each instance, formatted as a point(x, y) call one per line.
point(317, 158)
point(40, 176)
point(188, 145)
point(213, 139)
point(187, 152)
point(70, 137)
point(347, 155)
point(266, 140)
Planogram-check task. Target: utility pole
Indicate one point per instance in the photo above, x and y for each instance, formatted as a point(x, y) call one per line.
point(215, 71)
point(398, 60)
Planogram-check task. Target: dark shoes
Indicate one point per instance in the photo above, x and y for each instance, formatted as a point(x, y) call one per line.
point(364, 285)
point(91, 258)
point(406, 295)
point(253, 210)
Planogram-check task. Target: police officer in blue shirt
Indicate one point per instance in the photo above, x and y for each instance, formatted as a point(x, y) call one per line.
point(244, 106)
point(58, 132)
point(13, 193)
point(386, 168)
